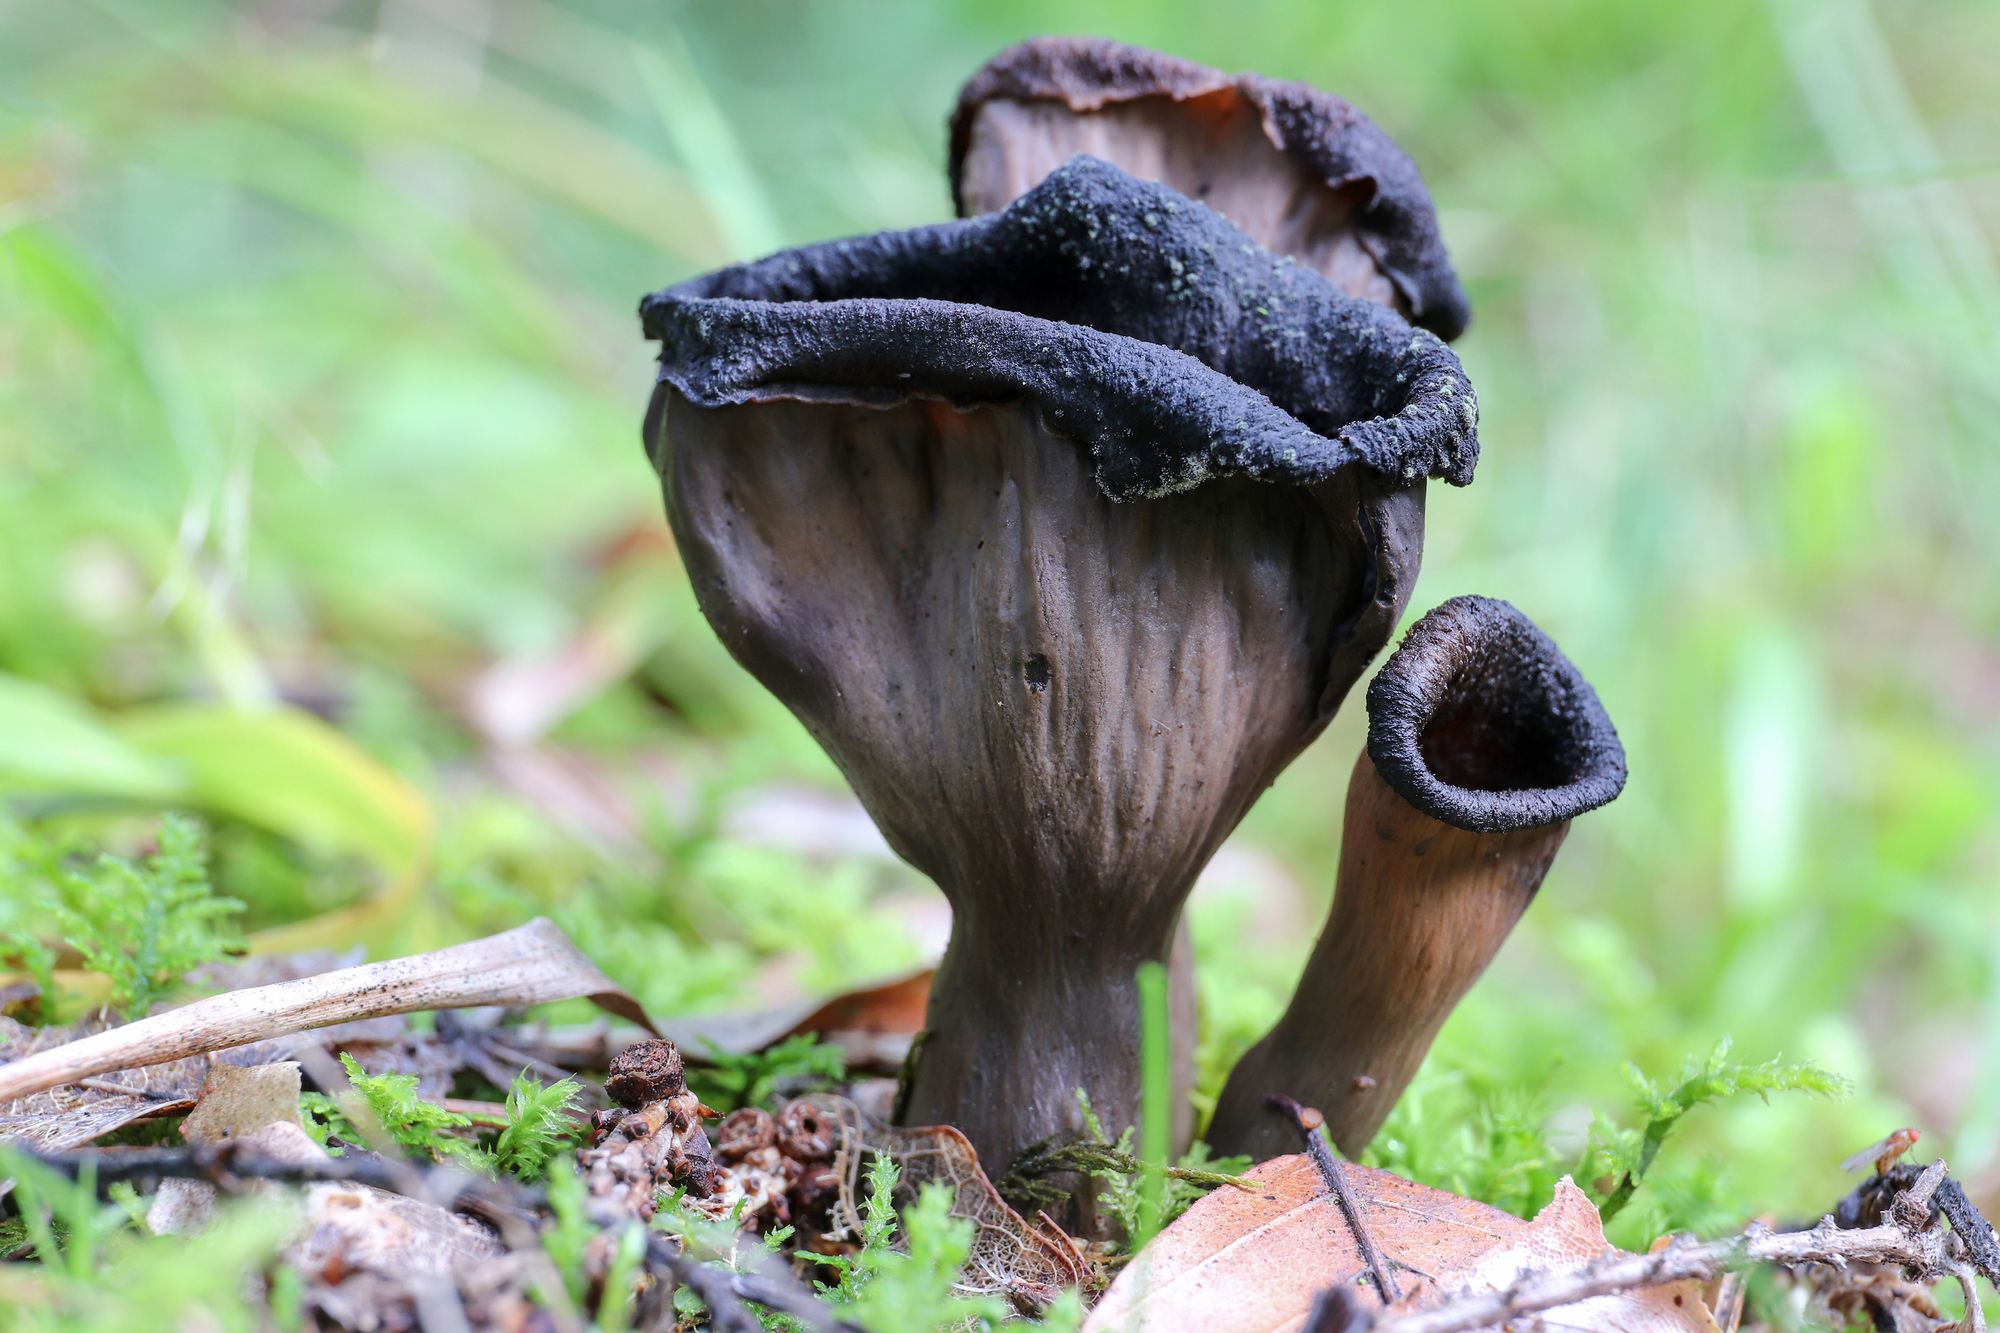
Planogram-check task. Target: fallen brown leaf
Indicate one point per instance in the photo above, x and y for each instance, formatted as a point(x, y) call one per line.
point(236, 1103)
point(872, 1025)
point(1253, 1261)
point(1568, 1235)
point(1256, 1260)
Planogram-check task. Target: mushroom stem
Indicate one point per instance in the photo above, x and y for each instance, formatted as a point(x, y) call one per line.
point(1419, 910)
point(1018, 1026)
point(1483, 742)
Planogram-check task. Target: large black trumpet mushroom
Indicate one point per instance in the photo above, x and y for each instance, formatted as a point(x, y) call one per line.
point(1484, 741)
point(1063, 530)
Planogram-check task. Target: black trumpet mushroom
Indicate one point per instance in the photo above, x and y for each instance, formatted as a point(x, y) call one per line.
point(1298, 170)
point(1484, 741)
point(1063, 530)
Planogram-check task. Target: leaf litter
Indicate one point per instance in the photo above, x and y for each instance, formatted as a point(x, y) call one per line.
point(456, 1231)
point(70, 1115)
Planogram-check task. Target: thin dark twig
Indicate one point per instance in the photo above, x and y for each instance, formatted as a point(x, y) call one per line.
point(1977, 1233)
point(228, 1165)
point(147, 1094)
point(1338, 1310)
point(771, 1284)
point(788, 1297)
point(713, 1286)
point(1307, 1121)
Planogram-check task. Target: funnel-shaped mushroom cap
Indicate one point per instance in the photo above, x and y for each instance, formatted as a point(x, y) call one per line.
point(1479, 721)
point(1146, 326)
point(1300, 171)
point(1063, 531)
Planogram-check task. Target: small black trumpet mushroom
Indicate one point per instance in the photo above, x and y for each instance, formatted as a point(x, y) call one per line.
point(1299, 171)
point(1484, 741)
point(1063, 531)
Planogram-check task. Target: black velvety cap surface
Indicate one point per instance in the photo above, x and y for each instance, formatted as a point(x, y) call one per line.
point(1327, 138)
point(1144, 324)
point(1479, 721)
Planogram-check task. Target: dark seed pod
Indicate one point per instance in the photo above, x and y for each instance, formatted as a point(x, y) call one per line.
point(645, 1072)
point(746, 1130)
point(815, 1192)
point(806, 1133)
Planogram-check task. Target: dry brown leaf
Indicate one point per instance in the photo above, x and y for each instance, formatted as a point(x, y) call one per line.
point(353, 1228)
point(1029, 1264)
point(531, 964)
point(1254, 1261)
point(1569, 1235)
point(872, 1025)
point(236, 1103)
point(56, 1119)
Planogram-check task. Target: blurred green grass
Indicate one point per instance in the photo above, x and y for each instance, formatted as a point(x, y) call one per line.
point(320, 389)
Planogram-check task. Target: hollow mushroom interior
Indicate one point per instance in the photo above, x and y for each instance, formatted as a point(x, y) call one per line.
point(1484, 742)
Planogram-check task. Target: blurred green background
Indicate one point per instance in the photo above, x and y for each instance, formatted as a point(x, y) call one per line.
point(323, 511)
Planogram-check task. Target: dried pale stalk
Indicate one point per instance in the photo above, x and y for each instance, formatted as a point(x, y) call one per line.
point(531, 964)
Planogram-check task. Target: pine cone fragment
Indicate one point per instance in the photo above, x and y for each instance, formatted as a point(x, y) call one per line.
point(652, 1142)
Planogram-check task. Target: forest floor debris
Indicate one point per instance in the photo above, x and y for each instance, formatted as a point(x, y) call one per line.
point(401, 1205)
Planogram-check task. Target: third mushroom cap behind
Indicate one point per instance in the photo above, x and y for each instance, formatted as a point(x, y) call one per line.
point(1300, 171)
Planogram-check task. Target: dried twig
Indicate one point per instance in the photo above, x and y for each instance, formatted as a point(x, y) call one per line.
point(531, 964)
point(1981, 1246)
point(1307, 1121)
point(1906, 1240)
point(772, 1285)
point(787, 1297)
point(715, 1287)
point(228, 1166)
point(107, 1085)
